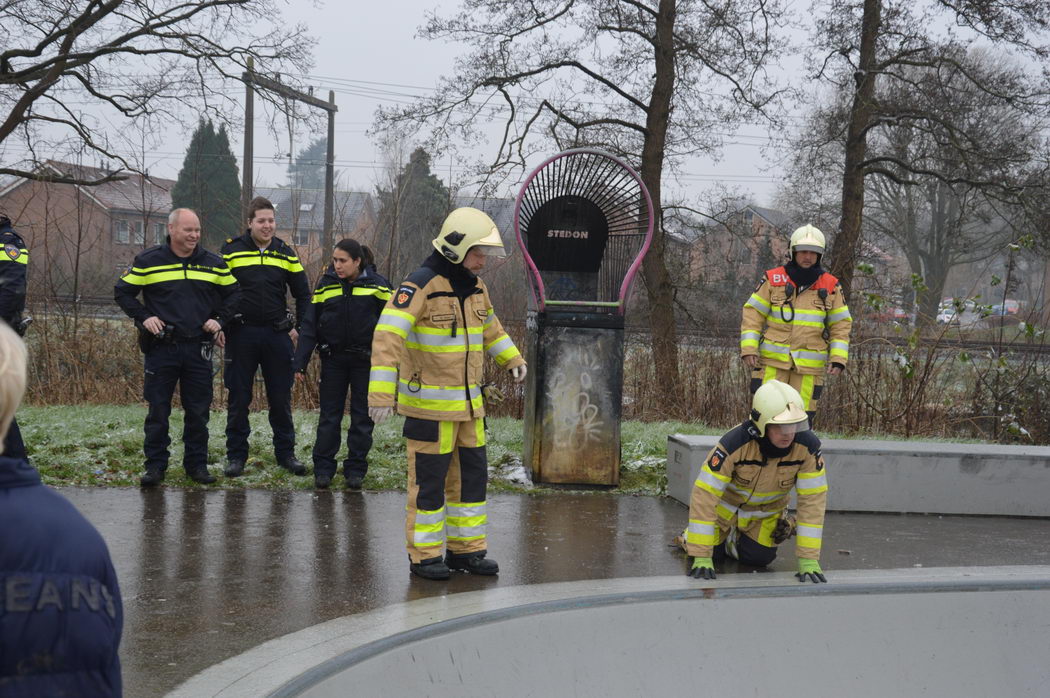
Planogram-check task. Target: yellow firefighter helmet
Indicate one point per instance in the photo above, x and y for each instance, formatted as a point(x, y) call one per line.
point(808, 238)
point(465, 228)
point(776, 402)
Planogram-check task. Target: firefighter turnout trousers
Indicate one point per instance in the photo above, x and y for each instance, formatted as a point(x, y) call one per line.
point(447, 479)
point(809, 386)
point(188, 364)
point(247, 348)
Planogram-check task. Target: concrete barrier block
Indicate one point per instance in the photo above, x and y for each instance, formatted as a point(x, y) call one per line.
point(906, 476)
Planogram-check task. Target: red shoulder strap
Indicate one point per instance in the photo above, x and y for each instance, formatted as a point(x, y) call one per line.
point(777, 277)
point(826, 281)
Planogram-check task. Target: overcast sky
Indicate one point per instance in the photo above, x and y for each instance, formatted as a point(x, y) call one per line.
point(368, 54)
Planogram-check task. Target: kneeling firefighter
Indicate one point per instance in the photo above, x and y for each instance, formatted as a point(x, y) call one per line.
point(428, 354)
point(739, 500)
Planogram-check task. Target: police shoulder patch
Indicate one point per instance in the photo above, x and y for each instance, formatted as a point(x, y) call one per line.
point(12, 251)
point(716, 459)
point(126, 271)
point(403, 296)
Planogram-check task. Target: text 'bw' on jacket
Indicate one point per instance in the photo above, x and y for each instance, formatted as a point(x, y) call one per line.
point(181, 291)
point(264, 276)
point(429, 347)
point(739, 487)
point(796, 330)
point(61, 616)
point(342, 314)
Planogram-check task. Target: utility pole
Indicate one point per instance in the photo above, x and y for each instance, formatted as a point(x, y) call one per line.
point(251, 78)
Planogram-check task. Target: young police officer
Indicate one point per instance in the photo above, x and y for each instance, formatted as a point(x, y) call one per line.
point(189, 295)
point(14, 262)
point(427, 358)
point(265, 266)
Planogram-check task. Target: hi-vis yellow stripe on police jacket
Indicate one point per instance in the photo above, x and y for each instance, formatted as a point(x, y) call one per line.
point(428, 350)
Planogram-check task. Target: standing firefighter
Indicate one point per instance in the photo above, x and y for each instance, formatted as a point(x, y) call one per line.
point(266, 269)
point(796, 324)
point(427, 358)
point(739, 501)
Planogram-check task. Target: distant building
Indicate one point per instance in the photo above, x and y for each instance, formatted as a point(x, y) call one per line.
point(81, 238)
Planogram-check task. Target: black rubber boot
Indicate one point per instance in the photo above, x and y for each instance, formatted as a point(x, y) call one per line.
point(202, 476)
point(234, 468)
point(152, 477)
point(322, 481)
point(475, 563)
point(431, 568)
point(292, 465)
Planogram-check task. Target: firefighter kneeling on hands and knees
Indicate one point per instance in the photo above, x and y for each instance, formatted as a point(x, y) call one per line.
point(738, 507)
point(428, 354)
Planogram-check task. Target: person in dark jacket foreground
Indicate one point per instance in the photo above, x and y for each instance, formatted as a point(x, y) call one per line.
point(347, 302)
point(60, 610)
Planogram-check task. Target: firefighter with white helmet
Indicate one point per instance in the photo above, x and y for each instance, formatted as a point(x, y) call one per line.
point(427, 360)
point(796, 325)
point(738, 506)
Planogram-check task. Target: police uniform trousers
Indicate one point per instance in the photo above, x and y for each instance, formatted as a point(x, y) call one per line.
point(342, 371)
point(808, 386)
point(247, 348)
point(14, 447)
point(447, 479)
point(187, 363)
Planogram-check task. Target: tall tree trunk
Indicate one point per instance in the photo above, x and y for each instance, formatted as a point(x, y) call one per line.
point(657, 279)
point(844, 250)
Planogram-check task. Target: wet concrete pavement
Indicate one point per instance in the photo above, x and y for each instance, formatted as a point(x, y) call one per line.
point(207, 575)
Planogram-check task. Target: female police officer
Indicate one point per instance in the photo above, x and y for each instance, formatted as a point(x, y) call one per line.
point(340, 321)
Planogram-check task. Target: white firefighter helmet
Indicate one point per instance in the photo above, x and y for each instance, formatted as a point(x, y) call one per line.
point(807, 238)
point(465, 228)
point(776, 402)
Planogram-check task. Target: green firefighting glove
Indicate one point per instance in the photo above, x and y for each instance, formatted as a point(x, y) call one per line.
point(810, 569)
point(703, 568)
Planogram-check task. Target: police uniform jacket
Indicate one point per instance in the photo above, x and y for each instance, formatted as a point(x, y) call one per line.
point(61, 616)
point(14, 262)
point(264, 276)
point(738, 486)
point(342, 315)
point(184, 292)
point(798, 330)
point(430, 344)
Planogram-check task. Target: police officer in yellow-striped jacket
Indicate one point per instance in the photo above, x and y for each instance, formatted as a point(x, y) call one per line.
point(14, 263)
point(261, 335)
point(738, 506)
point(796, 325)
point(427, 359)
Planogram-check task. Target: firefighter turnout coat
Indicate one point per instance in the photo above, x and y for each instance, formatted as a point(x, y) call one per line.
point(796, 330)
point(739, 487)
point(429, 348)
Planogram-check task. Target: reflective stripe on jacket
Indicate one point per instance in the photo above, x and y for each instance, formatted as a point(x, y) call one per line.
point(788, 331)
point(739, 487)
point(265, 276)
point(429, 347)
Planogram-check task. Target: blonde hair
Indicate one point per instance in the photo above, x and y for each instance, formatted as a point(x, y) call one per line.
point(12, 377)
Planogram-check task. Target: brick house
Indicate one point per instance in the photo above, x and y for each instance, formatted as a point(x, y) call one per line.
point(80, 238)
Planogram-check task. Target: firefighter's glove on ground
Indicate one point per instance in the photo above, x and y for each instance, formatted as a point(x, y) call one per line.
point(785, 529)
point(518, 373)
point(380, 414)
point(493, 395)
point(810, 570)
point(703, 568)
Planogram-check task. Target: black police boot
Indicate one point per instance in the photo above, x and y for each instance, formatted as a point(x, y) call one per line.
point(153, 476)
point(431, 568)
point(354, 482)
point(322, 481)
point(201, 475)
point(234, 468)
point(292, 465)
point(475, 563)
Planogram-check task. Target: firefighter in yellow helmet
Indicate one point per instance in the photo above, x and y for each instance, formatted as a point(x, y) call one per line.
point(428, 354)
point(738, 507)
point(796, 325)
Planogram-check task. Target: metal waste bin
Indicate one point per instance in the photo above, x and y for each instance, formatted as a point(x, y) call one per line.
point(583, 221)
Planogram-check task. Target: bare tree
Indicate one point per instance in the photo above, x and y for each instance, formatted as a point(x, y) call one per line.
point(70, 70)
point(865, 43)
point(653, 81)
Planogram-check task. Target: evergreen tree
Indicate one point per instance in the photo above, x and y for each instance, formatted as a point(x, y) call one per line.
point(307, 172)
point(410, 215)
point(209, 183)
